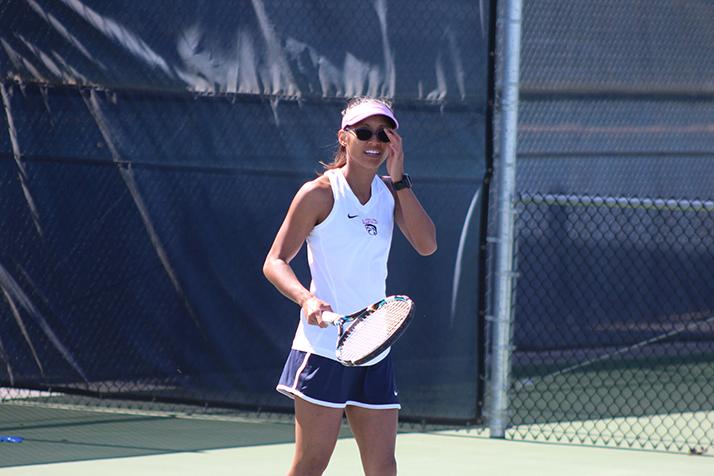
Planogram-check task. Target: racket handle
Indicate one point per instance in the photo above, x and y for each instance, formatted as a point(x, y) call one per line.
point(330, 317)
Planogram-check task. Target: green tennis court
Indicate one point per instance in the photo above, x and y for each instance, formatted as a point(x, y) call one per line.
point(73, 441)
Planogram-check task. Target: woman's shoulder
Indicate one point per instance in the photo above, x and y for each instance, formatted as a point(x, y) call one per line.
point(316, 195)
point(318, 189)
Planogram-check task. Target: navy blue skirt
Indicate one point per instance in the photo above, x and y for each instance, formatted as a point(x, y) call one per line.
point(326, 382)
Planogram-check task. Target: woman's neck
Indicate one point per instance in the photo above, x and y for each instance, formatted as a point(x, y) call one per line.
point(360, 181)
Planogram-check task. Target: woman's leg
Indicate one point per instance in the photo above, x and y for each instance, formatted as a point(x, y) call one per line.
point(316, 431)
point(376, 434)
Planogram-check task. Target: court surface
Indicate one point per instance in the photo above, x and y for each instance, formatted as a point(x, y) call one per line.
point(107, 443)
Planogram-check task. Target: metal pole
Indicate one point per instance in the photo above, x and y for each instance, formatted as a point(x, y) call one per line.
point(503, 273)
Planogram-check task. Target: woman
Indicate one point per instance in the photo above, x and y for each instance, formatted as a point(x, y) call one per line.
point(346, 217)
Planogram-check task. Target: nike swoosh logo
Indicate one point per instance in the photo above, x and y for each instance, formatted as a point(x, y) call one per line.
point(351, 216)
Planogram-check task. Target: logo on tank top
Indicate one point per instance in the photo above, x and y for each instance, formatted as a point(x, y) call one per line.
point(370, 224)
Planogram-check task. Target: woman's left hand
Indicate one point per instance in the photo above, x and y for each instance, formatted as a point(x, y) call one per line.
point(395, 160)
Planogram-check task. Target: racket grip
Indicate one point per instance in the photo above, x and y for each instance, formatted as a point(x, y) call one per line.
point(330, 317)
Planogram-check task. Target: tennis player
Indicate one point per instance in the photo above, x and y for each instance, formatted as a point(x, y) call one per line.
point(346, 216)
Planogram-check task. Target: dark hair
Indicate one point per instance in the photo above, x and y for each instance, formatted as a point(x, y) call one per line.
point(340, 158)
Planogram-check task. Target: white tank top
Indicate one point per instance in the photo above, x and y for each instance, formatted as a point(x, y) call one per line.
point(347, 254)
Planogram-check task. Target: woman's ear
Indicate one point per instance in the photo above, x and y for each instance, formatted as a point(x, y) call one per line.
point(342, 137)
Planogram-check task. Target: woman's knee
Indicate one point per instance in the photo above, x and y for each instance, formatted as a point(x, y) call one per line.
point(309, 464)
point(384, 467)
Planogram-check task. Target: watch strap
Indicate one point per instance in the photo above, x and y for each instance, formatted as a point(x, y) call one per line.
point(405, 182)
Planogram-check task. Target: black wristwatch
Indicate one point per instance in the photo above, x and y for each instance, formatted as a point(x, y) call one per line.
point(405, 182)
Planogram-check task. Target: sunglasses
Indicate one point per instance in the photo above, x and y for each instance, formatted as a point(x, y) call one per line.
point(365, 134)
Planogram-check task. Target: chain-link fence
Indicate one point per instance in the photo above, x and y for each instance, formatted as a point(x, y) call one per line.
point(614, 334)
point(613, 330)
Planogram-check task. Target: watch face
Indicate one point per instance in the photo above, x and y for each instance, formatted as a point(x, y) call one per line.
point(405, 182)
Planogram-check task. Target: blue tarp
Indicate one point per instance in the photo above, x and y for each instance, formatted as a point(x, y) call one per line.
point(148, 152)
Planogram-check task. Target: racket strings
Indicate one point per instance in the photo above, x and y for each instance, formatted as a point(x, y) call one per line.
point(372, 331)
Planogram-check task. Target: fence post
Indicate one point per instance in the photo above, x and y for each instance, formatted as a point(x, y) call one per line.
point(504, 273)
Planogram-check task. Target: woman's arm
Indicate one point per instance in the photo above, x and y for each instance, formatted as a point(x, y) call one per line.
point(414, 222)
point(311, 205)
point(412, 219)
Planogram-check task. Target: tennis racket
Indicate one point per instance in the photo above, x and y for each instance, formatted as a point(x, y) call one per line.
point(367, 333)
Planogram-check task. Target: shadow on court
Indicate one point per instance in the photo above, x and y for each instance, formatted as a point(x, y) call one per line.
point(53, 435)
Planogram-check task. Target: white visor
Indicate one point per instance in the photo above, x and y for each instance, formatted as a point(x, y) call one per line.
point(366, 109)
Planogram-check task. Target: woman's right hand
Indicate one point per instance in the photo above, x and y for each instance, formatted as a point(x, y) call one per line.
point(312, 309)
